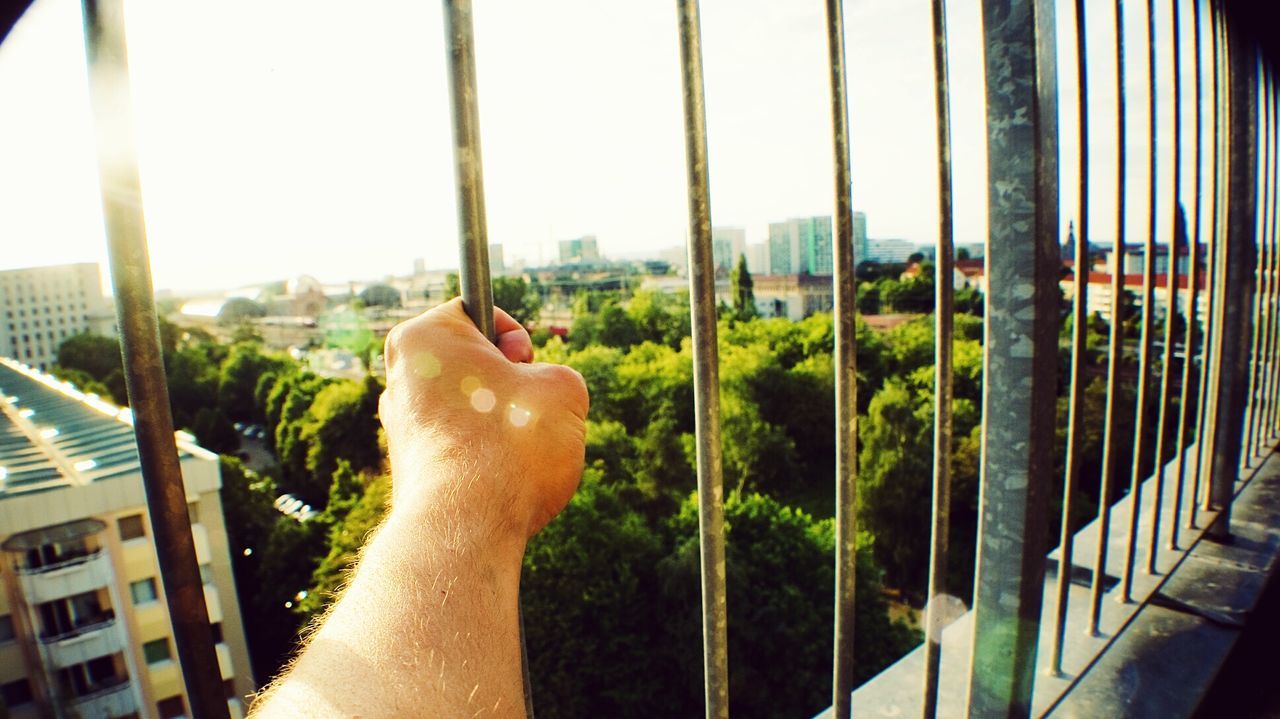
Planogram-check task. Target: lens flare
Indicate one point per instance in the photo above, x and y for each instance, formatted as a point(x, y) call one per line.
point(483, 400)
point(518, 416)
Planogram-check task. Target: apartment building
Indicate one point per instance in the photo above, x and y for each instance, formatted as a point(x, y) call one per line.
point(42, 306)
point(84, 627)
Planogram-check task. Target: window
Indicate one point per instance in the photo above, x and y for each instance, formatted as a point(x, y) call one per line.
point(16, 694)
point(206, 573)
point(216, 630)
point(171, 707)
point(6, 628)
point(143, 590)
point(131, 527)
point(157, 651)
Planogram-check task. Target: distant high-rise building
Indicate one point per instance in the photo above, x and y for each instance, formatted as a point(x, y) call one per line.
point(579, 251)
point(84, 627)
point(800, 246)
point(497, 263)
point(419, 266)
point(43, 306)
point(889, 250)
point(758, 258)
point(727, 245)
point(860, 249)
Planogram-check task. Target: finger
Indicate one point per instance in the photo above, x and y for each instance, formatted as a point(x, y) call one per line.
point(513, 339)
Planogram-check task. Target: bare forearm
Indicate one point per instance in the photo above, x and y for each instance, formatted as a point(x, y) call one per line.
point(428, 627)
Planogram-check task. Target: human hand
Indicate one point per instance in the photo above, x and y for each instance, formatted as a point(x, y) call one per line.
point(479, 432)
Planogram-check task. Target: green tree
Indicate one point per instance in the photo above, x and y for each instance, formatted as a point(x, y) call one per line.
point(522, 301)
point(744, 297)
point(452, 286)
point(214, 431)
point(238, 379)
point(779, 575)
point(380, 295)
point(95, 355)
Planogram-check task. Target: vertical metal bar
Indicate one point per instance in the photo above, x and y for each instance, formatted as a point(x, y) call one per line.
point(1241, 256)
point(1148, 320)
point(1268, 238)
point(1219, 289)
point(1171, 306)
point(846, 373)
point(1115, 343)
point(1272, 197)
point(111, 101)
point(473, 244)
point(1258, 313)
point(706, 369)
point(1262, 335)
point(1204, 423)
point(1079, 327)
point(1020, 352)
point(1193, 281)
point(942, 374)
point(473, 234)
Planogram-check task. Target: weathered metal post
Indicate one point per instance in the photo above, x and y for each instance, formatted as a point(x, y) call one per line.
point(1020, 353)
point(111, 101)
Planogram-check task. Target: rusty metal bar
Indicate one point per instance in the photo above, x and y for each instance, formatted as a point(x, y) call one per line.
point(1115, 343)
point(1193, 292)
point(846, 372)
point(1171, 307)
point(473, 234)
point(1148, 320)
point(1079, 327)
point(706, 369)
point(111, 102)
point(1241, 256)
point(942, 373)
point(1020, 353)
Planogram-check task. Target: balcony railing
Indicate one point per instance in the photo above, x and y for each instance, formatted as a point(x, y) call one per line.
point(62, 562)
point(90, 625)
point(111, 698)
point(1226, 378)
point(67, 579)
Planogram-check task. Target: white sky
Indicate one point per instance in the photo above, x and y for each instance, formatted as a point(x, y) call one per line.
point(285, 137)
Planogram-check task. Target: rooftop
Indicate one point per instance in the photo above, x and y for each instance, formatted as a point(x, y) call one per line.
point(53, 435)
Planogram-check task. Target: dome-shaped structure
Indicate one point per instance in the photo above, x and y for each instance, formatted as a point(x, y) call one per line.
point(303, 284)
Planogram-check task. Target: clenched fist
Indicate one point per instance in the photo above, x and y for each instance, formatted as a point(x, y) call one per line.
point(477, 429)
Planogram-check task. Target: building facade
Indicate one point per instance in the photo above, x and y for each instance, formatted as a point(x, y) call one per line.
point(43, 306)
point(580, 251)
point(800, 245)
point(84, 627)
point(727, 245)
point(793, 296)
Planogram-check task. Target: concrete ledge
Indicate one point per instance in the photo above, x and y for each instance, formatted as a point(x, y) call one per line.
point(1165, 662)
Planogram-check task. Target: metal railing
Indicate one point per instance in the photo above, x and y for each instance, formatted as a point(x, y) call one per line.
point(1233, 215)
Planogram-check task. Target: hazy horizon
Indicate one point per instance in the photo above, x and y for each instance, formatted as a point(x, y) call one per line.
point(289, 138)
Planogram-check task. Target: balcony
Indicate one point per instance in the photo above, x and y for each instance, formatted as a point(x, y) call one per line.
point(93, 640)
point(66, 578)
point(114, 699)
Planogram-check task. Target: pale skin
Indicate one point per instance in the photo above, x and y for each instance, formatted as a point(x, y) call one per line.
point(486, 447)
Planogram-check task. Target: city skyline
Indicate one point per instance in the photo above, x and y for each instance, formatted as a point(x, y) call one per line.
point(289, 158)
